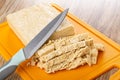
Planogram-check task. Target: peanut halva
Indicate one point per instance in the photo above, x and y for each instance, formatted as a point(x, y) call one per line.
point(67, 53)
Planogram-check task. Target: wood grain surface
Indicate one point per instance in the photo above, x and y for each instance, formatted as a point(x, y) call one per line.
point(104, 15)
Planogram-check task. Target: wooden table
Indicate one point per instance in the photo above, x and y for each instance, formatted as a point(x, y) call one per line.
point(104, 15)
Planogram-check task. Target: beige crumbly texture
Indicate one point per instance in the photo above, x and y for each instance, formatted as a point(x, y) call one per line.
point(67, 53)
point(28, 22)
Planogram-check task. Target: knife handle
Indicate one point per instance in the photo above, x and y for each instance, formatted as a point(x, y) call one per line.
point(11, 65)
point(6, 70)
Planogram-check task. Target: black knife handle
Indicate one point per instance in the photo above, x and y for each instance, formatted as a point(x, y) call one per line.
point(6, 70)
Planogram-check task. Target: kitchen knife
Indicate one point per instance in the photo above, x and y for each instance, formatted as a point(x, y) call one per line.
point(32, 47)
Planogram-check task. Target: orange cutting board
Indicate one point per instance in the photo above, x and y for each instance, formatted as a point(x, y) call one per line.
point(10, 44)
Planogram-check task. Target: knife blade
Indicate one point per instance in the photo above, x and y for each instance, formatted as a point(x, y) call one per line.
point(32, 46)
